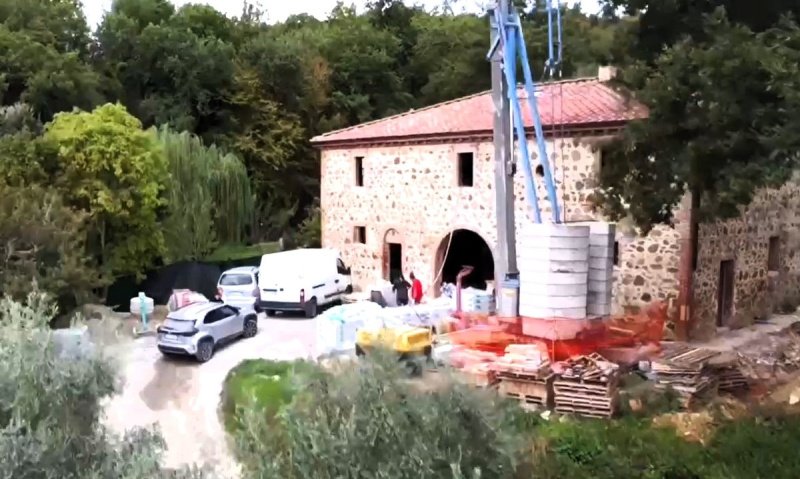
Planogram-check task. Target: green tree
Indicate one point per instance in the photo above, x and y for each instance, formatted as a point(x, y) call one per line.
point(209, 198)
point(723, 123)
point(42, 242)
point(51, 404)
point(663, 23)
point(113, 170)
point(168, 68)
point(370, 421)
point(41, 76)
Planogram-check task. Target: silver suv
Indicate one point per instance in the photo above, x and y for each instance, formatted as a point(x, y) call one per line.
point(197, 329)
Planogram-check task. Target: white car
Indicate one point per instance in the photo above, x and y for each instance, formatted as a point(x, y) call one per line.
point(199, 328)
point(303, 280)
point(239, 287)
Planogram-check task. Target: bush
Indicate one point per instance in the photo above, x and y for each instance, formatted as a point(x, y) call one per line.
point(372, 422)
point(261, 385)
point(50, 407)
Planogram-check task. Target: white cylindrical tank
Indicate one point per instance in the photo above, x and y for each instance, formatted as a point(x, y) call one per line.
point(137, 303)
point(553, 261)
point(601, 267)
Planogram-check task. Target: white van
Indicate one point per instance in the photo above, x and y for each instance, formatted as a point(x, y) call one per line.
point(302, 280)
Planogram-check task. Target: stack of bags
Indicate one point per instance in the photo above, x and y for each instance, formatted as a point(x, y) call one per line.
point(477, 301)
point(336, 328)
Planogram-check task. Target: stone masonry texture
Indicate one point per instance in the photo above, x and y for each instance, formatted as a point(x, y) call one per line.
point(411, 195)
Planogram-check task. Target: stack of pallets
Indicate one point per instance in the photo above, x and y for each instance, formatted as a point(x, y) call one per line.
point(685, 370)
point(587, 386)
point(524, 374)
point(731, 379)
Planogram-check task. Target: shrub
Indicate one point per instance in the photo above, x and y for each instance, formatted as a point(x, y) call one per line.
point(259, 384)
point(50, 407)
point(372, 422)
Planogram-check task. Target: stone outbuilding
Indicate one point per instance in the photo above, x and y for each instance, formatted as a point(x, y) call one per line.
point(415, 192)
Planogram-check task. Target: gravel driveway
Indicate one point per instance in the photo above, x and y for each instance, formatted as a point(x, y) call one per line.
point(182, 397)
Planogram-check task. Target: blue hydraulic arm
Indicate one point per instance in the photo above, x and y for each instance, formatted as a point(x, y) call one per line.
point(511, 43)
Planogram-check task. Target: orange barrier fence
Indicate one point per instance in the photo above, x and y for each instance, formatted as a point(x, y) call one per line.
point(562, 338)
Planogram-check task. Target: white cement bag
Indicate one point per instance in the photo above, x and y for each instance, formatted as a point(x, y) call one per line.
point(336, 328)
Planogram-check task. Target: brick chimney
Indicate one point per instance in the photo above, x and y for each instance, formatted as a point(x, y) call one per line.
point(606, 73)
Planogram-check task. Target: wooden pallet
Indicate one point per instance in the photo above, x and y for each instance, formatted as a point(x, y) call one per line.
point(585, 411)
point(563, 386)
point(540, 390)
point(529, 400)
point(705, 388)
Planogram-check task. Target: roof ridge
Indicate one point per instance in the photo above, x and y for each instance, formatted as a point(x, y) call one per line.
point(444, 103)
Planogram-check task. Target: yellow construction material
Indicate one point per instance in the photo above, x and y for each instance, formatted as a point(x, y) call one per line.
point(404, 339)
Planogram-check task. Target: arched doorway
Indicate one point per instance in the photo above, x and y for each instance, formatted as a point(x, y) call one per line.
point(392, 254)
point(466, 248)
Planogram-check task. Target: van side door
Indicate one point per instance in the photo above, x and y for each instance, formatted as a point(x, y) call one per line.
point(343, 278)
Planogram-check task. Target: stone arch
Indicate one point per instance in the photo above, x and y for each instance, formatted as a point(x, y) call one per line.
point(467, 247)
point(391, 236)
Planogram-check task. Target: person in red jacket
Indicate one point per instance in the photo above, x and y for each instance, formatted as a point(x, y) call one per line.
point(416, 289)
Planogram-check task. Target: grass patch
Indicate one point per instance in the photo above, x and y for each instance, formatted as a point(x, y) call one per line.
point(235, 252)
point(633, 448)
point(259, 384)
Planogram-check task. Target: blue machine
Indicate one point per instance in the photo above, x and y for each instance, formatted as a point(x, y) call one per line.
point(509, 44)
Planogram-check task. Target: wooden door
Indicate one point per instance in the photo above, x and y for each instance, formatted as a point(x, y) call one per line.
point(725, 292)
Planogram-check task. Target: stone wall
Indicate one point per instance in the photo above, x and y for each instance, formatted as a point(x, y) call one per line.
point(757, 291)
point(412, 193)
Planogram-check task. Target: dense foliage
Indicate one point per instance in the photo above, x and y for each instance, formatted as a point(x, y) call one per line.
point(51, 401)
point(209, 200)
point(370, 421)
point(717, 76)
point(719, 79)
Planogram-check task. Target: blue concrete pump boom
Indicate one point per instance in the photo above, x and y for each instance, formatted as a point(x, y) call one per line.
point(509, 43)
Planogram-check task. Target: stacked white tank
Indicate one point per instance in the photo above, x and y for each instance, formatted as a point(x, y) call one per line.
point(553, 261)
point(601, 268)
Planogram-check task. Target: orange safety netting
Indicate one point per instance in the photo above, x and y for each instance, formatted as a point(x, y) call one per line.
point(562, 338)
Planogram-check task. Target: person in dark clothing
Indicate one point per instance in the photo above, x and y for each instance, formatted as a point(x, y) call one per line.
point(400, 287)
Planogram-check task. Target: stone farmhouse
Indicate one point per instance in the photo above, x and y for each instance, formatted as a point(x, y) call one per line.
point(415, 192)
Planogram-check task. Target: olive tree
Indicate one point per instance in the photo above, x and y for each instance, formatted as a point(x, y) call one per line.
point(371, 421)
point(51, 406)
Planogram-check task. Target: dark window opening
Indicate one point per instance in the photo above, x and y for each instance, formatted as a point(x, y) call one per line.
point(616, 253)
point(774, 254)
point(360, 234)
point(395, 261)
point(539, 171)
point(467, 248)
point(359, 171)
point(466, 169)
point(725, 292)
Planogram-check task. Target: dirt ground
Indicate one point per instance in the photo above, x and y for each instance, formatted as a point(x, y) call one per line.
point(181, 397)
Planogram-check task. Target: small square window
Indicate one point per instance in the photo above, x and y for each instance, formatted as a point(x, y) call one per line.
point(466, 167)
point(616, 253)
point(360, 234)
point(359, 171)
point(774, 254)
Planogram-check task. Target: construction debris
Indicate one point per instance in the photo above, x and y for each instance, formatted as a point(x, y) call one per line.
point(587, 386)
point(685, 370)
point(524, 374)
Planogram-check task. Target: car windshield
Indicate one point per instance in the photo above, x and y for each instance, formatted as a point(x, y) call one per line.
point(179, 325)
point(235, 280)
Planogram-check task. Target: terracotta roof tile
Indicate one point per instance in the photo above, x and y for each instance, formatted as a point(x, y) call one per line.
point(566, 104)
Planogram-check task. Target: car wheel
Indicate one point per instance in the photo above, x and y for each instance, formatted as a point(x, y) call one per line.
point(270, 312)
point(349, 289)
point(311, 308)
point(250, 328)
point(205, 350)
